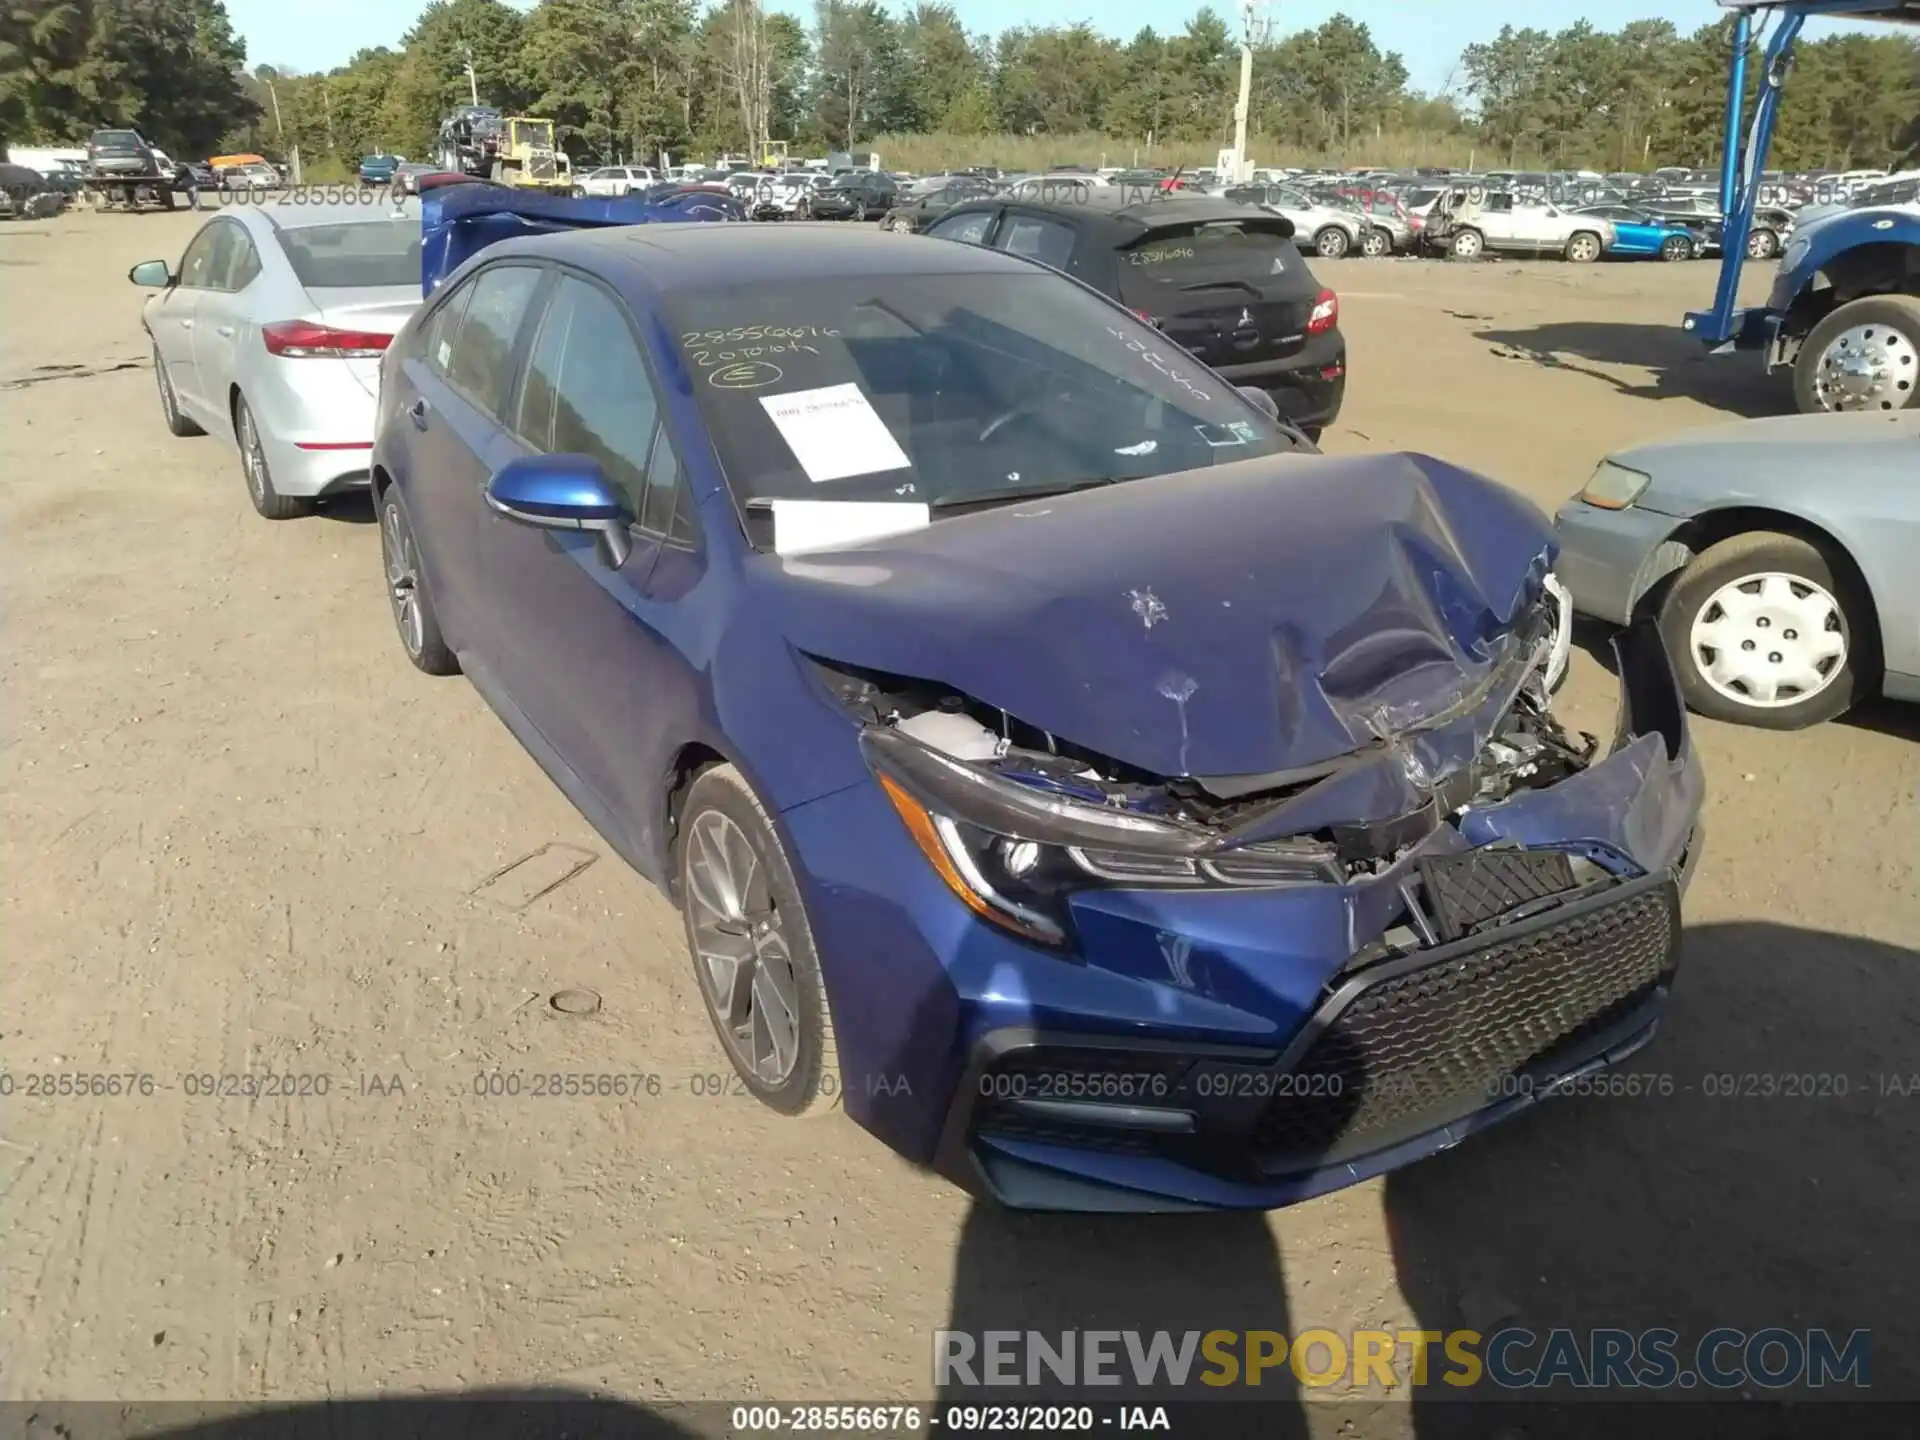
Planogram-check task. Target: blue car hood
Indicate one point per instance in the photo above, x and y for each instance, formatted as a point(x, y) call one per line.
point(1246, 620)
point(458, 221)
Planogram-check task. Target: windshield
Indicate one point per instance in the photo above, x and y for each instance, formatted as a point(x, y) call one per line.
point(949, 389)
point(537, 133)
point(356, 255)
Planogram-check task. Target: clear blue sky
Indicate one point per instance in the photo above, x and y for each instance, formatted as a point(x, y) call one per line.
point(1429, 34)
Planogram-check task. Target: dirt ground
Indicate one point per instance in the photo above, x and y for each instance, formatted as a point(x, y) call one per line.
point(242, 835)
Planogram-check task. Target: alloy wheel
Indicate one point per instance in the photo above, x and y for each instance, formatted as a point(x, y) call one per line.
point(253, 460)
point(742, 954)
point(1769, 640)
point(403, 578)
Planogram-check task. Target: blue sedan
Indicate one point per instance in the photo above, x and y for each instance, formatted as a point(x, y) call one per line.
point(1107, 799)
point(1643, 234)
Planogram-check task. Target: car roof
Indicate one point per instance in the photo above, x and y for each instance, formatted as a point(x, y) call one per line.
point(707, 255)
point(268, 219)
point(1124, 211)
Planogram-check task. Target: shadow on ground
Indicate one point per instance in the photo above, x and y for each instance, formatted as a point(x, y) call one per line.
point(1681, 367)
point(1177, 1273)
point(1760, 1177)
point(460, 1415)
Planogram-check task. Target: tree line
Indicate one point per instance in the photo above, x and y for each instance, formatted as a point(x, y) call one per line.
point(626, 79)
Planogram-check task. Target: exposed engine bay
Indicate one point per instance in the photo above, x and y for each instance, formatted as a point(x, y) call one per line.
point(1352, 815)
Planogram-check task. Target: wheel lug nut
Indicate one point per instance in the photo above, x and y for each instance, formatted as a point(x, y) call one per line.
point(1746, 644)
point(1774, 657)
point(1763, 622)
point(1792, 634)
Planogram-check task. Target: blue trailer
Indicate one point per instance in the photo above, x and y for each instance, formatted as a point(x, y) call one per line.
point(1844, 310)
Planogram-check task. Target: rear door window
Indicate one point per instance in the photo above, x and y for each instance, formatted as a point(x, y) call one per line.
point(481, 364)
point(1047, 241)
point(971, 229)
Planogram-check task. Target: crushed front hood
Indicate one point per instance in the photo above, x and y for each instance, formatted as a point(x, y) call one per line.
point(1249, 620)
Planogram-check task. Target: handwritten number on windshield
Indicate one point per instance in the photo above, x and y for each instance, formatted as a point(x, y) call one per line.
point(1160, 363)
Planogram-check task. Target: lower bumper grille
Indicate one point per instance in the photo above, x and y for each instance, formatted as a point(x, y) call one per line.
point(1416, 1044)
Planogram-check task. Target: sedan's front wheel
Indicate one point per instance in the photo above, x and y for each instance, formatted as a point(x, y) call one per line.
point(753, 953)
point(1764, 629)
point(1676, 247)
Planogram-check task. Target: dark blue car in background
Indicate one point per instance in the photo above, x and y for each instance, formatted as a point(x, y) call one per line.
point(1116, 802)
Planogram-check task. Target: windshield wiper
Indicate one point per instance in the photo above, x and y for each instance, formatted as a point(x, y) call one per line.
point(1011, 497)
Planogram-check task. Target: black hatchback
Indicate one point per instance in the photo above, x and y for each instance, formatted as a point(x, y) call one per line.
point(1222, 280)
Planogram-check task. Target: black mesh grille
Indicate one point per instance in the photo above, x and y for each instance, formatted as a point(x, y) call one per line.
point(1421, 1047)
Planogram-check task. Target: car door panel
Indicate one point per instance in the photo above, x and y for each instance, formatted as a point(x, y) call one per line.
point(179, 313)
point(456, 442)
point(221, 318)
point(580, 644)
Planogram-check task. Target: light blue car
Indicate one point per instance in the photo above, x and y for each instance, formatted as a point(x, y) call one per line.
point(1642, 234)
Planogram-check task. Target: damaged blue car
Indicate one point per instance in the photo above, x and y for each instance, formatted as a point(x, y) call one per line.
point(1107, 799)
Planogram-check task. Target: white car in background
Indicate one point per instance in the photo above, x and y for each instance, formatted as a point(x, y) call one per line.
point(612, 181)
point(1470, 222)
point(269, 334)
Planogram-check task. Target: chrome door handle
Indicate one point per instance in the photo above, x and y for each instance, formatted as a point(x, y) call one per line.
point(186, 324)
point(417, 412)
point(223, 329)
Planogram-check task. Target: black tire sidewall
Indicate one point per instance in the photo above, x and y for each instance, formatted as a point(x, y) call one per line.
point(1896, 312)
point(1743, 555)
point(435, 657)
point(722, 788)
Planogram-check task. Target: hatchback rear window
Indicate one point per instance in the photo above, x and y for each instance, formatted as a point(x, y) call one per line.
point(356, 255)
point(1218, 252)
point(115, 140)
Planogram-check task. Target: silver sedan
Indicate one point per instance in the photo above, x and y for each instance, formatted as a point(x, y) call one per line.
point(1777, 556)
point(269, 334)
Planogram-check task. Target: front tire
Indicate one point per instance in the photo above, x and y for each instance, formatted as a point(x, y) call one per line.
point(271, 504)
point(1466, 245)
point(1765, 630)
point(177, 423)
point(413, 613)
point(1863, 356)
point(1331, 243)
point(753, 953)
point(1676, 247)
point(1762, 245)
point(1583, 248)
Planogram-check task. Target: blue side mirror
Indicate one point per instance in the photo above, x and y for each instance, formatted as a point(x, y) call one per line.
point(563, 492)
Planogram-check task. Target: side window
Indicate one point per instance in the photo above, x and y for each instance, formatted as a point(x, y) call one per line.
point(971, 229)
point(243, 260)
point(666, 502)
point(602, 401)
point(196, 266)
point(1042, 240)
point(482, 362)
point(436, 334)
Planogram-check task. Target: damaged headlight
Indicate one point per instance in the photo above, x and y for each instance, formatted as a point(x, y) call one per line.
point(1012, 853)
point(1615, 487)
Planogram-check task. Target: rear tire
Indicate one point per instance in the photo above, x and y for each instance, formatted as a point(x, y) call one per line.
point(1706, 604)
point(413, 613)
point(1331, 243)
point(1376, 243)
point(271, 504)
point(1583, 248)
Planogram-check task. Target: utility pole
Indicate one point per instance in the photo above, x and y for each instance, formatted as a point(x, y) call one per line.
point(1254, 31)
point(473, 81)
